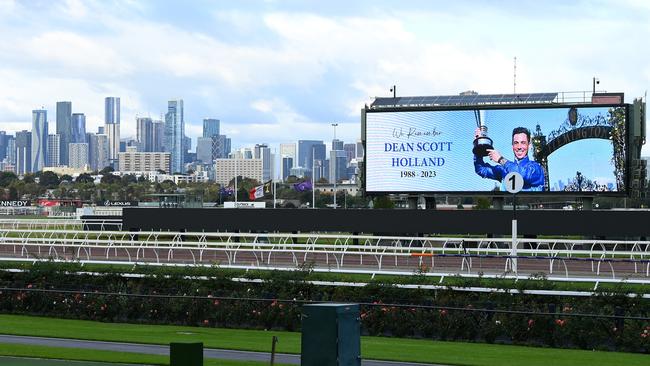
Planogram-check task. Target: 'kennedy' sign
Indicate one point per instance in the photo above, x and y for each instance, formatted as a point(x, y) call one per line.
point(14, 203)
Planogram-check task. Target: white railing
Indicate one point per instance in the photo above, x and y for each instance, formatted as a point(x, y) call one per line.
point(592, 260)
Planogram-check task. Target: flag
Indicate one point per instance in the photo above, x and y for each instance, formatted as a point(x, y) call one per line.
point(261, 191)
point(226, 191)
point(303, 186)
point(256, 192)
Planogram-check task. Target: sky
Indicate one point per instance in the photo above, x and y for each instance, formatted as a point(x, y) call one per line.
point(281, 71)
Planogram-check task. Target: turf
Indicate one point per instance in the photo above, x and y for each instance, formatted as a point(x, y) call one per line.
point(452, 353)
point(24, 355)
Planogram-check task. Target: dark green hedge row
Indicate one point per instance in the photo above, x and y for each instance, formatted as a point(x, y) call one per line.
point(165, 296)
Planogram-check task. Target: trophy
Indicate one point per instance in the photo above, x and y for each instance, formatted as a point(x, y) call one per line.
point(482, 142)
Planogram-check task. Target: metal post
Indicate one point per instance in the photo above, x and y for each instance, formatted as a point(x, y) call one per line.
point(273, 343)
point(513, 248)
point(335, 164)
point(236, 192)
point(313, 181)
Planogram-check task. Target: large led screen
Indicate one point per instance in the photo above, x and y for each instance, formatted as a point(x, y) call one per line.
point(568, 149)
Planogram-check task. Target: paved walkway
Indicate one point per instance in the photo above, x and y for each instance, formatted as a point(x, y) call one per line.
point(223, 354)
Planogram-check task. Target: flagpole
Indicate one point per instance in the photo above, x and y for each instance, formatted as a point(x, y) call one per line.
point(275, 179)
point(313, 181)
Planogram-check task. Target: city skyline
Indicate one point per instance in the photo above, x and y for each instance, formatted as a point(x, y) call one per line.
point(284, 71)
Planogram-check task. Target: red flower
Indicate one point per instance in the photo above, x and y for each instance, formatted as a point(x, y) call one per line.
point(531, 322)
point(560, 322)
point(443, 312)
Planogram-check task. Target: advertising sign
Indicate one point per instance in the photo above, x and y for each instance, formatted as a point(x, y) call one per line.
point(14, 203)
point(559, 149)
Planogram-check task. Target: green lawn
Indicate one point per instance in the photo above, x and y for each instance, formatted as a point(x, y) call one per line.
point(39, 355)
point(453, 353)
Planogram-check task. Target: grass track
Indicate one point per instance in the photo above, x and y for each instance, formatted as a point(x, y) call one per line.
point(453, 353)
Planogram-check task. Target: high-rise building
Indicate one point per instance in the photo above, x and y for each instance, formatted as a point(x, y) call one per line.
point(337, 144)
point(78, 127)
point(204, 150)
point(53, 151)
point(112, 122)
point(360, 151)
point(350, 151)
point(3, 145)
point(112, 110)
point(158, 136)
point(338, 166)
point(227, 169)
point(174, 133)
point(308, 152)
point(133, 161)
point(98, 151)
point(39, 139)
point(187, 146)
point(64, 128)
point(23, 152)
point(210, 127)
point(287, 164)
point(263, 152)
point(11, 150)
point(78, 155)
point(144, 127)
point(287, 150)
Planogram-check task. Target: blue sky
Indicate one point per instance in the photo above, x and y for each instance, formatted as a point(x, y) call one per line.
point(279, 71)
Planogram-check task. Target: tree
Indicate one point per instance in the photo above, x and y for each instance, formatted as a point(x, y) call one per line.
point(106, 170)
point(110, 179)
point(383, 202)
point(84, 178)
point(29, 178)
point(6, 178)
point(67, 177)
point(129, 178)
point(49, 180)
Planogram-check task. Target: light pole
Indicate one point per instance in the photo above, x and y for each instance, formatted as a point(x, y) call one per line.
point(335, 163)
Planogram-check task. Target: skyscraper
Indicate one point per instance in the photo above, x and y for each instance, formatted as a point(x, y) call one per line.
point(310, 151)
point(11, 150)
point(263, 152)
point(112, 110)
point(23, 152)
point(3, 145)
point(350, 151)
point(337, 144)
point(53, 157)
point(144, 127)
point(204, 150)
point(112, 121)
point(158, 136)
point(287, 150)
point(174, 133)
point(210, 127)
point(78, 127)
point(64, 128)
point(98, 151)
point(39, 139)
point(338, 166)
point(78, 155)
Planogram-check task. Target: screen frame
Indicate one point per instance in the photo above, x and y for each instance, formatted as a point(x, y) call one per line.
point(627, 178)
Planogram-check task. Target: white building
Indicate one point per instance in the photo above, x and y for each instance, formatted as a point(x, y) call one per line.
point(132, 160)
point(227, 169)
